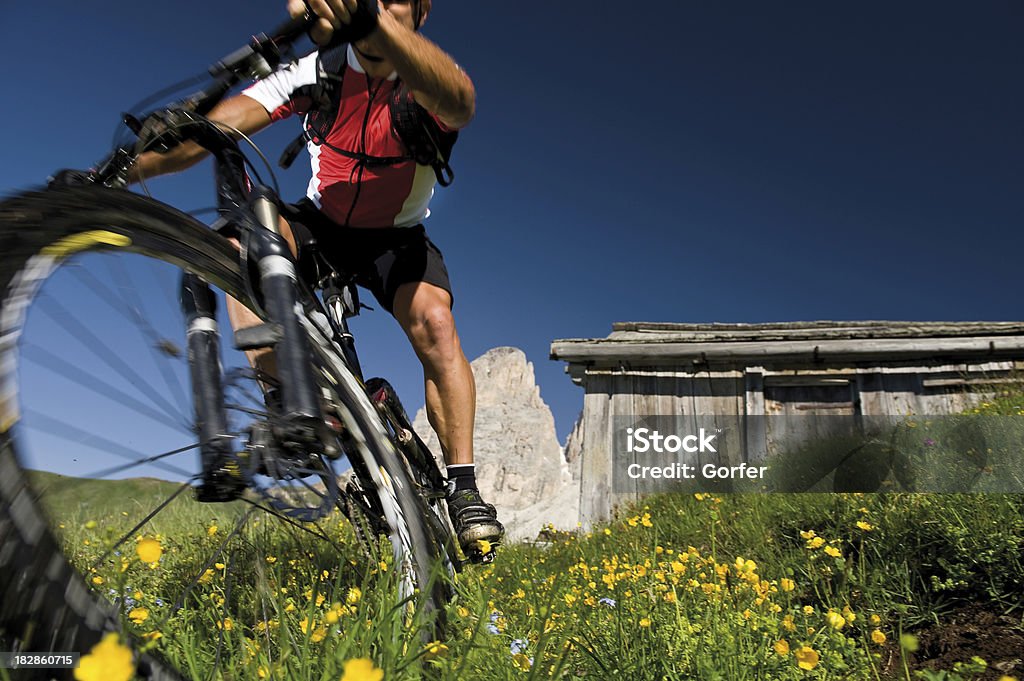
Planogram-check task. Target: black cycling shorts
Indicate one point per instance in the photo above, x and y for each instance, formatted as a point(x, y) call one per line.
point(379, 259)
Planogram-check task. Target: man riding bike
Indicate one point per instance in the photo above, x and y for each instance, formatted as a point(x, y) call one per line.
point(367, 198)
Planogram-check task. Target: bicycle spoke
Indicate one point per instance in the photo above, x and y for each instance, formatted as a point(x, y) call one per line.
point(277, 514)
point(65, 431)
point(136, 306)
point(142, 523)
point(120, 469)
point(132, 313)
point(210, 561)
point(75, 374)
point(80, 331)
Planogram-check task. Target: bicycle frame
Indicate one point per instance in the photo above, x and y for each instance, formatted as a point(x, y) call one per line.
point(281, 296)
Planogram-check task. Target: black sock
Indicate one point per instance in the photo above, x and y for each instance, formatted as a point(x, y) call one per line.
point(463, 475)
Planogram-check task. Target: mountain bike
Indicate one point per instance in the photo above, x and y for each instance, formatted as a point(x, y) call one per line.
point(329, 443)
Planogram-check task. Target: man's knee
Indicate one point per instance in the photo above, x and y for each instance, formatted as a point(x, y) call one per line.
point(432, 329)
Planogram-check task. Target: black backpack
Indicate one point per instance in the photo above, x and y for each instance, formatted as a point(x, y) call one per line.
point(423, 138)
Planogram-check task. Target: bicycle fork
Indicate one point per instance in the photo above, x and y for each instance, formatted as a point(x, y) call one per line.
point(301, 427)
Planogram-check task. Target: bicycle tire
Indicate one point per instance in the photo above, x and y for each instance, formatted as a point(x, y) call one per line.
point(45, 604)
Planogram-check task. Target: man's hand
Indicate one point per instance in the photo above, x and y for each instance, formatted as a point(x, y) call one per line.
point(334, 15)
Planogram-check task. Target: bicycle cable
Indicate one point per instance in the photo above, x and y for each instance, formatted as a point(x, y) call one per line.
point(167, 91)
point(200, 120)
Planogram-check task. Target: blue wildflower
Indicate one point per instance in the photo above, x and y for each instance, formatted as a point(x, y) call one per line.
point(609, 602)
point(518, 646)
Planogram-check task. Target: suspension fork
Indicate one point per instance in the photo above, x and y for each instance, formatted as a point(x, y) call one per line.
point(279, 286)
point(200, 307)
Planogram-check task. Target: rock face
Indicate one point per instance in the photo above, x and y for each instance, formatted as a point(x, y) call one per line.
point(521, 468)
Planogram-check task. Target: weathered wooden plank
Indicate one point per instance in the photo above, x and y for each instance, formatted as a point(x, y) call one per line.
point(817, 329)
point(595, 475)
point(812, 351)
point(754, 409)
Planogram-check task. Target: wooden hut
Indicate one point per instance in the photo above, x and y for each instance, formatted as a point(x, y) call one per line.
point(742, 370)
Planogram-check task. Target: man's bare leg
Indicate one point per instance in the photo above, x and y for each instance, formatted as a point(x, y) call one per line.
point(424, 312)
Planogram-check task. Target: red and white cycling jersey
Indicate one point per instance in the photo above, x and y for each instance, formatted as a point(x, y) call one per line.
point(345, 190)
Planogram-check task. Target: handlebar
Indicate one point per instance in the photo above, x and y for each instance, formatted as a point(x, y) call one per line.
point(160, 129)
point(263, 54)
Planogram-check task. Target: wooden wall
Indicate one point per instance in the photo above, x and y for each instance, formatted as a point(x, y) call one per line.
point(723, 394)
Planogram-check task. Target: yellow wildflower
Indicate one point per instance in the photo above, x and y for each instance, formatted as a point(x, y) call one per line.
point(271, 559)
point(138, 615)
point(787, 584)
point(833, 551)
point(107, 661)
point(354, 595)
point(484, 546)
point(867, 527)
point(835, 620)
point(211, 530)
point(97, 580)
point(878, 637)
point(645, 622)
point(806, 658)
point(435, 649)
point(521, 662)
point(782, 647)
point(815, 542)
point(149, 550)
point(361, 669)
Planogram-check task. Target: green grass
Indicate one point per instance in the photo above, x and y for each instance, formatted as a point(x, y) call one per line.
point(730, 588)
point(703, 588)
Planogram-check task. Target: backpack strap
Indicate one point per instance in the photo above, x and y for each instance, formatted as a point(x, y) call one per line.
point(424, 139)
point(427, 143)
point(325, 98)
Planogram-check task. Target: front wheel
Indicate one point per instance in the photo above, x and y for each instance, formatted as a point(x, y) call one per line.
point(98, 451)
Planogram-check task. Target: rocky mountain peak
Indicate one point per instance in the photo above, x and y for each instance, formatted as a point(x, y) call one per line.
point(521, 468)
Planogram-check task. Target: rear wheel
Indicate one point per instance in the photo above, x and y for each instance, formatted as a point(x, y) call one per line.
point(98, 451)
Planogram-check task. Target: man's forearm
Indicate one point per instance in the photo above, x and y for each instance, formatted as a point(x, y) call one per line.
point(436, 81)
point(237, 113)
point(151, 164)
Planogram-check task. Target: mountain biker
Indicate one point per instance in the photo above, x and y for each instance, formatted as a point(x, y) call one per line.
point(366, 217)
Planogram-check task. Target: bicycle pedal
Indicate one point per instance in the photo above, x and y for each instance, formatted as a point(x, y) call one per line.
point(481, 555)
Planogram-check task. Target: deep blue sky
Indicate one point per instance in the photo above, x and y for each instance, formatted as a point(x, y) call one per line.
point(668, 161)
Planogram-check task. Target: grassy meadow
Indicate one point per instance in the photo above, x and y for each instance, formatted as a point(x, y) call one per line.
point(726, 588)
